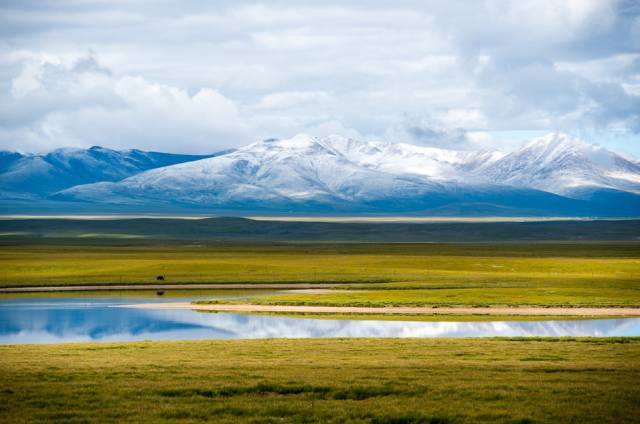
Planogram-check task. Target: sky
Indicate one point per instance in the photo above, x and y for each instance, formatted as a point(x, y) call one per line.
point(197, 76)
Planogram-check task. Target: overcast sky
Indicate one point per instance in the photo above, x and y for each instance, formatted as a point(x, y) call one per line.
point(200, 76)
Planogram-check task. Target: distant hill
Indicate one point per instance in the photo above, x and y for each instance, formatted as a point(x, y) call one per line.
point(135, 231)
point(36, 176)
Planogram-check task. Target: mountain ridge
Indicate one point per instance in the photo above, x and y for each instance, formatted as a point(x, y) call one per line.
point(37, 175)
point(551, 175)
point(560, 164)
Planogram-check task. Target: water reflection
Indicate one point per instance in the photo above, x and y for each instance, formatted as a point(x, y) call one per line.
point(86, 319)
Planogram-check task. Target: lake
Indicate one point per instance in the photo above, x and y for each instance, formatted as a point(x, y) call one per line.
point(75, 317)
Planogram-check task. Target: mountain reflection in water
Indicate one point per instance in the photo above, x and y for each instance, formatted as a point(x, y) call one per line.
point(87, 319)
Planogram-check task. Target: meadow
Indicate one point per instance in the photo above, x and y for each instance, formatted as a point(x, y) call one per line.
point(345, 380)
point(569, 274)
point(384, 381)
point(547, 293)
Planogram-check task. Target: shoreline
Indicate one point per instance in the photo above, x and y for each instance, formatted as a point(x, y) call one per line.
point(412, 310)
point(213, 286)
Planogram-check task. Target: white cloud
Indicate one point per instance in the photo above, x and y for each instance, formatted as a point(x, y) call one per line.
point(197, 74)
point(333, 127)
point(83, 103)
point(429, 132)
point(293, 98)
point(525, 27)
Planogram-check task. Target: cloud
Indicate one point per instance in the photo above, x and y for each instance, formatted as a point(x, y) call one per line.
point(293, 99)
point(83, 103)
point(529, 27)
point(538, 95)
point(200, 74)
point(334, 127)
point(429, 132)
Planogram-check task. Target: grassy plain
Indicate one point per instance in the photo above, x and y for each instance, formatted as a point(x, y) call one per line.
point(338, 380)
point(427, 318)
point(587, 274)
point(355, 380)
point(557, 294)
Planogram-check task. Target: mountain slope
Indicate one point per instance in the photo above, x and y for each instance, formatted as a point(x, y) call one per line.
point(306, 174)
point(552, 175)
point(563, 165)
point(269, 174)
point(402, 158)
point(38, 175)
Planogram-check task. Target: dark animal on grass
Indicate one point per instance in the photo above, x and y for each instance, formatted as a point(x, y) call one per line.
point(160, 278)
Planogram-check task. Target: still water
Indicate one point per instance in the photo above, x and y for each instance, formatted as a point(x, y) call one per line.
point(76, 318)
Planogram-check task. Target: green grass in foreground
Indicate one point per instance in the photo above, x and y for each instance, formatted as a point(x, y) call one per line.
point(357, 380)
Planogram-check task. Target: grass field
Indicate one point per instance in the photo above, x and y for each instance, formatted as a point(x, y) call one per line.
point(392, 381)
point(356, 380)
point(428, 318)
point(557, 293)
point(600, 274)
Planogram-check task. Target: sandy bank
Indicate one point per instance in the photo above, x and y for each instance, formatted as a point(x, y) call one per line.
point(422, 310)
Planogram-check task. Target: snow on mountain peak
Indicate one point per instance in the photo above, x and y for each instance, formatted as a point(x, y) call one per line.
point(554, 141)
point(298, 142)
point(339, 172)
point(554, 145)
point(560, 164)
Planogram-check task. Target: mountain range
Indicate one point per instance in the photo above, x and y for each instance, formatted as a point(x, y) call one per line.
point(38, 175)
point(554, 175)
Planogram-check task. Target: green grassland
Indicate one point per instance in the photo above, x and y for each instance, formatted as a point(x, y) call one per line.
point(174, 295)
point(583, 380)
point(596, 274)
point(356, 380)
point(427, 317)
point(547, 293)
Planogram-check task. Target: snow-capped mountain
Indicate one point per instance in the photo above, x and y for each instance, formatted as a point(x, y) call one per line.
point(274, 173)
point(36, 175)
point(551, 175)
point(337, 174)
point(564, 165)
point(401, 158)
